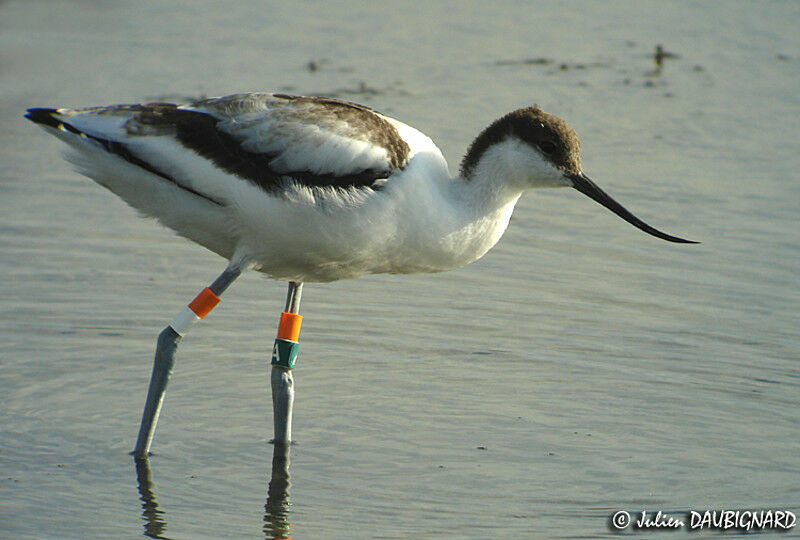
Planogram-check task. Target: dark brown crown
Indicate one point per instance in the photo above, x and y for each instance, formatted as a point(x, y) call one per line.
point(549, 135)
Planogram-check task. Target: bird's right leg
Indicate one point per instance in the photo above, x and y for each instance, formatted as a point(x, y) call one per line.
point(284, 353)
point(166, 346)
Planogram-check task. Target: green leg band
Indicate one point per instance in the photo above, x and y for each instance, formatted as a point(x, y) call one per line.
point(284, 353)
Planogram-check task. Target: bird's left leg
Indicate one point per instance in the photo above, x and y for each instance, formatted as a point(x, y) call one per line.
point(166, 346)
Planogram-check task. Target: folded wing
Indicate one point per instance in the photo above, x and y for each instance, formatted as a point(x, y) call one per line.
point(266, 139)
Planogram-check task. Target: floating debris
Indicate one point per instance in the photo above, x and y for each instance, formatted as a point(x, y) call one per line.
point(580, 66)
point(315, 65)
point(660, 55)
point(364, 89)
point(540, 61)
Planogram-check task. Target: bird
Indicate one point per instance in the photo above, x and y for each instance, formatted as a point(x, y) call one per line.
point(315, 189)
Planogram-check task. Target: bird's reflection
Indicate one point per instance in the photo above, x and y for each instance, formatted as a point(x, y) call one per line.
point(276, 510)
point(154, 524)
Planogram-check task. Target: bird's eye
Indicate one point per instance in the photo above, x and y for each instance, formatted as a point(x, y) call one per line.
point(547, 147)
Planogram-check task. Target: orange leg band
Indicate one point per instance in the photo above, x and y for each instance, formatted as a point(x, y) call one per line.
point(289, 327)
point(204, 302)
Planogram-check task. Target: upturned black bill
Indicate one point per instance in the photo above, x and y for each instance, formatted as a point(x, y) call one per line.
point(582, 183)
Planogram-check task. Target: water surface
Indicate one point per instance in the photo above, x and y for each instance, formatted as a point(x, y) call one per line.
point(580, 368)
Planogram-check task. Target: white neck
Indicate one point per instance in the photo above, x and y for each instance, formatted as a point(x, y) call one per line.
point(473, 211)
point(481, 205)
point(497, 180)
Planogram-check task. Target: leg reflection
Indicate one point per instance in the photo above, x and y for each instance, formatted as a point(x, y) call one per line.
point(276, 510)
point(154, 524)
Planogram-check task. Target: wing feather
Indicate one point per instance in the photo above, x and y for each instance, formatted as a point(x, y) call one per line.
point(265, 139)
point(316, 141)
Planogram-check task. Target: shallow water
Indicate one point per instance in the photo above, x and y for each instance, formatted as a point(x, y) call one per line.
point(580, 368)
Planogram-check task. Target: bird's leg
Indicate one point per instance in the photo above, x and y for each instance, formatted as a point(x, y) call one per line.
point(166, 346)
point(276, 511)
point(284, 353)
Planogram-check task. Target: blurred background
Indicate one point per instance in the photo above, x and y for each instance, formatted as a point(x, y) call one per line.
point(580, 368)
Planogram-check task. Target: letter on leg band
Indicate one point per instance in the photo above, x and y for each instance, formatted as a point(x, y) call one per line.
point(196, 310)
point(284, 352)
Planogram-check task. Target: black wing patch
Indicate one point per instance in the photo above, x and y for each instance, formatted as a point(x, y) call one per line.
point(198, 132)
point(46, 118)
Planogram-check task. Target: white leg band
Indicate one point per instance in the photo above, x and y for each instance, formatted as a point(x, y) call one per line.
point(183, 321)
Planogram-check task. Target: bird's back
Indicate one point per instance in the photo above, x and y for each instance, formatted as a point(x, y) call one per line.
point(308, 188)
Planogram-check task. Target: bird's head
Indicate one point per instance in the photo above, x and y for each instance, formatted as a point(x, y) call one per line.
point(535, 149)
